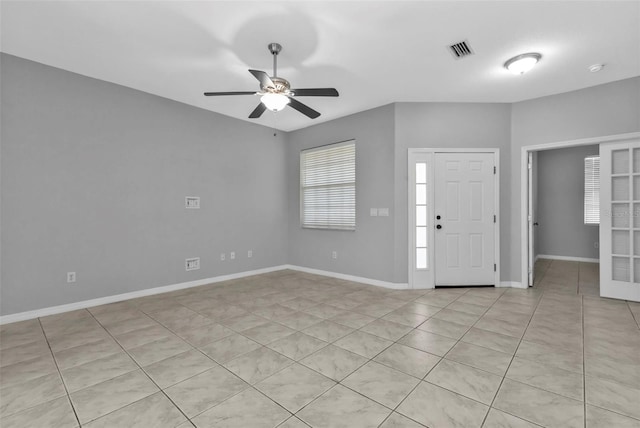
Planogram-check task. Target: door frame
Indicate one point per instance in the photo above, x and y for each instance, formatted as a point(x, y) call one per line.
point(413, 153)
point(524, 190)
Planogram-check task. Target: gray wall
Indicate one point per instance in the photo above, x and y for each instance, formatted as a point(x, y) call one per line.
point(94, 177)
point(609, 109)
point(449, 125)
point(368, 252)
point(560, 204)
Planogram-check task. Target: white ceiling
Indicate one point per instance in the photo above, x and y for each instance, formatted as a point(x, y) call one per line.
point(373, 52)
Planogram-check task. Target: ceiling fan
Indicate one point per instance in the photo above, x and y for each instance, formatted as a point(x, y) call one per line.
point(276, 93)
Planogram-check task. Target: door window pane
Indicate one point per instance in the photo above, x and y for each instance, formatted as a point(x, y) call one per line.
point(620, 215)
point(421, 237)
point(421, 194)
point(421, 258)
point(421, 172)
point(620, 269)
point(620, 189)
point(620, 161)
point(421, 216)
point(620, 242)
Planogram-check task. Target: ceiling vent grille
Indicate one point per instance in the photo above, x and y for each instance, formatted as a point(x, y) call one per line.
point(461, 50)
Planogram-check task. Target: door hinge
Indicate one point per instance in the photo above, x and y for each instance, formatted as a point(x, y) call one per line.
point(495, 267)
point(529, 166)
point(495, 169)
point(494, 218)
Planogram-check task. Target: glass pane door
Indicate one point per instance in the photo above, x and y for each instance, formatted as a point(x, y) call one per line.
point(620, 221)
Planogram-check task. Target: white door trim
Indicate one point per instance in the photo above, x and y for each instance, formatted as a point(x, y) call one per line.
point(412, 154)
point(524, 192)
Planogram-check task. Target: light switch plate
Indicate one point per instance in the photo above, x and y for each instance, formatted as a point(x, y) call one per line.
point(192, 202)
point(373, 212)
point(383, 212)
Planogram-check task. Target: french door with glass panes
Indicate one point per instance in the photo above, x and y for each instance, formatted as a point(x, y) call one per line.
point(620, 220)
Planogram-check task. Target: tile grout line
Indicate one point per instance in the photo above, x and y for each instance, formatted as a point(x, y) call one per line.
point(64, 385)
point(372, 360)
point(142, 369)
point(441, 357)
point(512, 358)
point(250, 386)
point(412, 329)
point(637, 320)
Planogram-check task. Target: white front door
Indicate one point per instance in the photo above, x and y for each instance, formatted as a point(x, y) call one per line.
point(620, 220)
point(464, 210)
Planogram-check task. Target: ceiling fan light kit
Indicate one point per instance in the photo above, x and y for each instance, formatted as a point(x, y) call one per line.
point(522, 63)
point(274, 102)
point(276, 93)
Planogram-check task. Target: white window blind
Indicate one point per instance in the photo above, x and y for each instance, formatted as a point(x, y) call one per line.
point(328, 187)
point(592, 190)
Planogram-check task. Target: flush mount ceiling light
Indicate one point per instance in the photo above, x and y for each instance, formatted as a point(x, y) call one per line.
point(595, 68)
point(522, 63)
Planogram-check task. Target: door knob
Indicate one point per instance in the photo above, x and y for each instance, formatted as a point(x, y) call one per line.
point(438, 217)
point(438, 227)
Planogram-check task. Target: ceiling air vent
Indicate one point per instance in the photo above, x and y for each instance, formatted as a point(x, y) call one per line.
point(460, 50)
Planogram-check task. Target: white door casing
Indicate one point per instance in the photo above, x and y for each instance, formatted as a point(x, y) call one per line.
point(620, 220)
point(477, 202)
point(524, 194)
point(530, 219)
point(464, 210)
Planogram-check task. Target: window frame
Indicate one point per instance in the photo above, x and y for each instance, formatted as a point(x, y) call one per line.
point(302, 187)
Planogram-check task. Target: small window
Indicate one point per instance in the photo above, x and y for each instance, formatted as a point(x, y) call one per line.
point(592, 190)
point(328, 187)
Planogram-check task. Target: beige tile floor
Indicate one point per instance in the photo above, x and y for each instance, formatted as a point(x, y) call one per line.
point(292, 350)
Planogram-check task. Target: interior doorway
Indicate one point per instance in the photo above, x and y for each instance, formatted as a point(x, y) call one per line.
point(453, 217)
point(619, 250)
point(563, 208)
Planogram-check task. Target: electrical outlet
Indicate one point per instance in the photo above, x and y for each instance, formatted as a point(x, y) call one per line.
point(334, 255)
point(192, 263)
point(71, 277)
point(250, 253)
point(222, 257)
point(596, 245)
point(192, 202)
point(232, 255)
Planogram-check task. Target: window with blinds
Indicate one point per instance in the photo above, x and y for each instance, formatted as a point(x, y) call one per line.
point(328, 187)
point(592, 190)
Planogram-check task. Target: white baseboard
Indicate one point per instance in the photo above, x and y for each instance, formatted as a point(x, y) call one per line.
point(510, 284)
point(570, 259)
point(22, 316)
point(376, 282)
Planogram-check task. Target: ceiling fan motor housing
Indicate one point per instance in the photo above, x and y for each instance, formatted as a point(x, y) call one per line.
point(282, 86)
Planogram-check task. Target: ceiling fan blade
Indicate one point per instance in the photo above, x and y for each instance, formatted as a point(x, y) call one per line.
point(257, 112)
point(265, 80)
point(315, 92)
point(302, 108)
point(215, 94)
